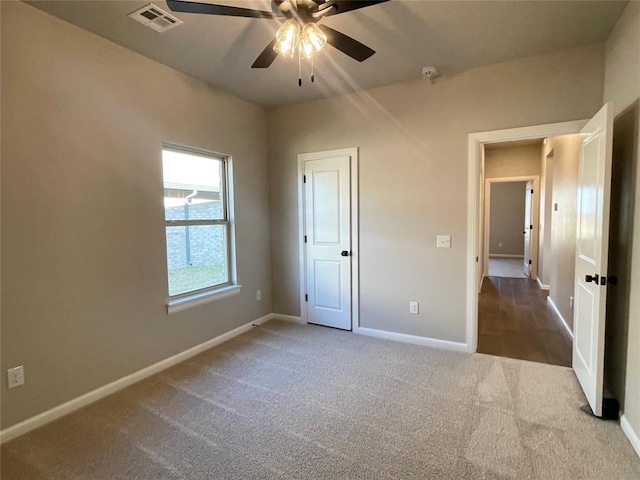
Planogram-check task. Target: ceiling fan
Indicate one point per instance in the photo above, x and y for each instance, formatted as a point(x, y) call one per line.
point(300, 32)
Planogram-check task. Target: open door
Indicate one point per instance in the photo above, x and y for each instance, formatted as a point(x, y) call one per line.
point(528, 227)
point(594, 187)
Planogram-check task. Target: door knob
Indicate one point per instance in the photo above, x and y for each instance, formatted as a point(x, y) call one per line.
point(590, 278)
point(345, 253)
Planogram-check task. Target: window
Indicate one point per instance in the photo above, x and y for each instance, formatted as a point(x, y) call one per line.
point(199, 231)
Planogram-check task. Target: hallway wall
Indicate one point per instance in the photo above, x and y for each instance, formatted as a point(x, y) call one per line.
point(566, 151)
point(507, 218)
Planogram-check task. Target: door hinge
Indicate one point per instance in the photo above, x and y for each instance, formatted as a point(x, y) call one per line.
point(304, 179)
point(477, 259)
point(530, 227)
point(306, 297)
point(529, 262)
point(532, 191)
point(305, 239)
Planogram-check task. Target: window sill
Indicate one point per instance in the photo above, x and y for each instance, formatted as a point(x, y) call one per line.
point(194, 300)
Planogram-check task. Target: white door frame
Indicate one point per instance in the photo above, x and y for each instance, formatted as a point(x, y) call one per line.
point(355, 245)
point(476, 141)
point(535, 218)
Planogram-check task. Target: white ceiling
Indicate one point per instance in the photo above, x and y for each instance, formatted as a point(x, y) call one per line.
point(454, 36)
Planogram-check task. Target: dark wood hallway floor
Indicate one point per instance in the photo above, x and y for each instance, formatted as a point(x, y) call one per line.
point(515, 321)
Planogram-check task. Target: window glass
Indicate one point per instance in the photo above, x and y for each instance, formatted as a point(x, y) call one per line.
point(197, 221)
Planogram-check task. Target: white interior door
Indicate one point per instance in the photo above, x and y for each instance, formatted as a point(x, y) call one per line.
point(528, 225)
point(327, 224)
point(594, 185)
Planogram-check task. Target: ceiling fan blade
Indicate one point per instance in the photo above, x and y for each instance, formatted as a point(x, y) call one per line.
point(341, 6)
point(346, 44)
point(266, 58)
point(211, 9)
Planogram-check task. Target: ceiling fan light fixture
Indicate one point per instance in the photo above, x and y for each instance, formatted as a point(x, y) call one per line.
point(287, 38)
point(312, 39)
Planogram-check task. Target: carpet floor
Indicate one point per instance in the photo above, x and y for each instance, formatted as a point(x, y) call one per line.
point(506, 267)
point(305, 402)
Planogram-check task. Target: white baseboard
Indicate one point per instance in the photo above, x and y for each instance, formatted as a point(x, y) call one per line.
point(504, 255)
point(633, 437)
point(542, 285)
point(559, 315)
point(402, 337)
point(106, 390)
point(288, 318)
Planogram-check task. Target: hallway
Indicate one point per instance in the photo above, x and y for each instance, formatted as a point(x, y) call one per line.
point(515, 321)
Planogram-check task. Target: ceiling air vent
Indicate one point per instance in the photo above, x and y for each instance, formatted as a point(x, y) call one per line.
point(156, 18)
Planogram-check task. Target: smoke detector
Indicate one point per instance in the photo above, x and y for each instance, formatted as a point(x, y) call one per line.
point(429, 73)
point(155, 18)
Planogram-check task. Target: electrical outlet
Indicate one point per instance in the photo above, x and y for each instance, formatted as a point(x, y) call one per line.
point(15, 376)
point(414, 307)
point(258, 294)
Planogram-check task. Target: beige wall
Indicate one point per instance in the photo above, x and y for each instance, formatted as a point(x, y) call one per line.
point(546, 193)
point(84, 279)
point(622, 86)
point(512, 161)
point(413, 141)
point(562, 251)
point(507, 218)
point(508, 161)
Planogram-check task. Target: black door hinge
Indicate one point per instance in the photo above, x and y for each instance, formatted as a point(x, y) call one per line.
point(304, 179)
point(529, 262)
point(306, 297)
point(305, 239)
point(530, 227)
point(532, 191)
point(477, 258)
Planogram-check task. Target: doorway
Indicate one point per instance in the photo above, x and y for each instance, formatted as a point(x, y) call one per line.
point(328, 223)
point(511, 219)
point(589, 244)
point(514, 317)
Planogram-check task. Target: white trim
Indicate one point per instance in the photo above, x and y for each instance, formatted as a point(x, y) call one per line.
point(101, 392)
point(559, 315)
point(542, 285)
point(504, 255)
point(633, 437)
point(476, 141)
point(353, 154)
point(402, 337)
point(183, 303)
point(288, 318)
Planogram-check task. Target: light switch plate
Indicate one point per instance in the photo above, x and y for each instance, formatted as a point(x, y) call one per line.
point(443, 241)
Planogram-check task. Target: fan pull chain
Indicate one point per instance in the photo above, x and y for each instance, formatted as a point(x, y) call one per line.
point(299, 70)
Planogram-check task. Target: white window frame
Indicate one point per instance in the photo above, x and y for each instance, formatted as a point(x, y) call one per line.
point(194, 298)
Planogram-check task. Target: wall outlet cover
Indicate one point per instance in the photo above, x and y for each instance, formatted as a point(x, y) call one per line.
point(15, 376)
